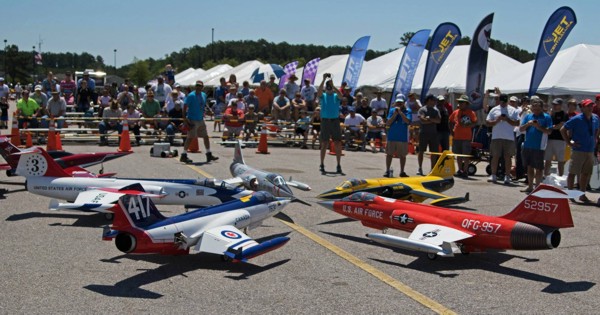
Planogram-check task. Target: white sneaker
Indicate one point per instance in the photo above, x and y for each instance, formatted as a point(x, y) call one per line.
point(492, 179)
point(507, 180)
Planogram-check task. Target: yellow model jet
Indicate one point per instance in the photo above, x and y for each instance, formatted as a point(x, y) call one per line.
point(414, 188)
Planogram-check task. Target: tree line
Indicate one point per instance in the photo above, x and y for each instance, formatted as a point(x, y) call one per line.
point(20, 65)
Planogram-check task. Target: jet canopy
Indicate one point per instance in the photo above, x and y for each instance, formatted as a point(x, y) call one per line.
point(276, 180)
point(360, 196)
point(353, 182)
point(263, 196)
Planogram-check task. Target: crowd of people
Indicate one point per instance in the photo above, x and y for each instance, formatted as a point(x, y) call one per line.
point(529, 131)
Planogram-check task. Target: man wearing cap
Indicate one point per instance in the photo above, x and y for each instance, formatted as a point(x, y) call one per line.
point(91, 83)
point(111, 121)
point(193, 110)
point(291, 87)
point(250, 121)
point(502, 118)
point(48, 83)
point(150, 109)
point(265, 98)
point(364, 109)
point(308, 92)
point(40, 97)
point(398, 121)
point(346, 93)
point(556, 145)
point(251, 99)
point(443, 129)
point(272, 85)
point(57, 108)
point(461, 122)
point(26, 109)
point(536, 126)
point(429, 116)
point(329, 99)
point(375, 130)
point(581, 134)
point(175, 120)
point(125, 98)
point(68, 88)
point(379, 104)
point(354, 123)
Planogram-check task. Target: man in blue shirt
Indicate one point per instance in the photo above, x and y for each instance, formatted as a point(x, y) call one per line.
point(398, 121)
point(581, 132)
point(193, 113)
point(329, 99)
point(536, 126)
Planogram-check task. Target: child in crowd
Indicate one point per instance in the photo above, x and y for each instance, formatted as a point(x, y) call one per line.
point(302, 125)
point(315, 122)
point(251, 121)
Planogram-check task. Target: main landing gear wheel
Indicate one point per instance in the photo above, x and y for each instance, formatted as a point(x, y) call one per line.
point(109, 216)
point(225, 258)
point(431, 256)
point(472, 169)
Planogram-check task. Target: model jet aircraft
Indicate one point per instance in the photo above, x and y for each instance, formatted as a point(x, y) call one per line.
point(259, 180)
point(139, 228)
point(46, 178)
point(70, 162)
point(533, 224)
point(415, 188)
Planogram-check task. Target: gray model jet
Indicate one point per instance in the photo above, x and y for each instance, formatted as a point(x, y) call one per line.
point(259, 180)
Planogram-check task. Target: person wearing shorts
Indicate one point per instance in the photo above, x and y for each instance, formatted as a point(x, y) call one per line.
point(581, 132)
point(537, 126)
point(461, 122)
point(194, 108)
point(329, 99)
point(502, 118)
point(429, 116)
point(398, 121)
point(556, 145)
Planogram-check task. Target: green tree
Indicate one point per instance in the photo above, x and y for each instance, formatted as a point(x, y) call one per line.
point(406, 38)
point(139, 72)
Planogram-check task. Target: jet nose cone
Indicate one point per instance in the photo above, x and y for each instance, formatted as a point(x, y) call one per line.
point(326, 204)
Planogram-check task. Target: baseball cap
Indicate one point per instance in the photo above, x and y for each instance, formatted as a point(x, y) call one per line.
point(272, 76)
point(359, 94)
point(86, 72)
point(441, 98)
point(557, 101)
point(586, 103)
point(251, 106)
point(400, 99)
point(503, 97)
point(430, 97)
point(2, 79)
point(514, 99)
point(54, 92)
point(38, 88)
point(464, 98)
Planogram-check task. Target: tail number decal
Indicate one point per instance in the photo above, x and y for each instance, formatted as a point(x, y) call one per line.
point(139, 206)
point(476, 225)
point(540, 206)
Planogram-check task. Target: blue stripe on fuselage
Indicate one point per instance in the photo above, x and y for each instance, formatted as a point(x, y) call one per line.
point(204, 212)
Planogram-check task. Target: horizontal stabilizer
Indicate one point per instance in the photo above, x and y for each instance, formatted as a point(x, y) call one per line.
point(86, 207)
point(401, 242)
point(447, 201)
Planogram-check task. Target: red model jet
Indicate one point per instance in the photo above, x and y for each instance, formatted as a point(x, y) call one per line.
point(71, 163)
point(533, 224)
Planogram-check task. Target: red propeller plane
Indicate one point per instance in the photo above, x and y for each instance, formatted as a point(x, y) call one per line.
point(70, 162)
point(533, 224)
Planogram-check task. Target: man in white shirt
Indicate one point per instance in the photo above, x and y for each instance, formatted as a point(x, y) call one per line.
point(354, 128)
point(502, 118)
point(308, 93)
point(161, 91)
point(379, 104)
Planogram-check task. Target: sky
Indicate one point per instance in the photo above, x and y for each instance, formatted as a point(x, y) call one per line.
point(151, 28)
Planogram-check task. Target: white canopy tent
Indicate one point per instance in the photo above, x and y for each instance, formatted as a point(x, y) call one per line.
point(184, 73)
point(190, 75)
point(573, 72)
point(206, 75)
point(242, 72)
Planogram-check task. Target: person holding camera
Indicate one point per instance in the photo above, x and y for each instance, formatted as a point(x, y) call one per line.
point(329, 100)
point(502, 119)
point(398, 121)
point(537, 126)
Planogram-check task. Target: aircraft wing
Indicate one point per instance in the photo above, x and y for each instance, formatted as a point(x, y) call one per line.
point(101, 199)
point(439, 199)
point(437, 234)
point(298, 185)
point(229, 241)
point(235, 181)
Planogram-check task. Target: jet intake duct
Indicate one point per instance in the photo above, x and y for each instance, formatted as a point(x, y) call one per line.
point(529, 237)
point(125, 242)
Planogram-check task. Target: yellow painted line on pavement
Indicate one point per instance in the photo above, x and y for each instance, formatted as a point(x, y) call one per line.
point(383, 277)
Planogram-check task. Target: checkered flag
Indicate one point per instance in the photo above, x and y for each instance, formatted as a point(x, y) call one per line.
point(310, 70)
point(289, 69)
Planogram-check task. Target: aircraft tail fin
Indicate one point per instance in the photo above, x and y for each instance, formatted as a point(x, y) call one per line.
point(6, 151)
point(237, 156)
point(546, 205)
point(444, 167)
point(135, 211)
point(38, 163)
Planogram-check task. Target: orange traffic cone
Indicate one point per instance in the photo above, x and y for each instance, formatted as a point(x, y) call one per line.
point(194, 146)
point(51, 145)
point(263, 148)
point(58, 142)
point(15, 136)
point(332, 148)
point(125, 142)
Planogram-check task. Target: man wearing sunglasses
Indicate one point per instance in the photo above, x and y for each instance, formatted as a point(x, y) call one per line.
point(194, 109)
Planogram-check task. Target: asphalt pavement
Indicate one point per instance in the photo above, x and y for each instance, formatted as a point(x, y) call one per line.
point(56, 262)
